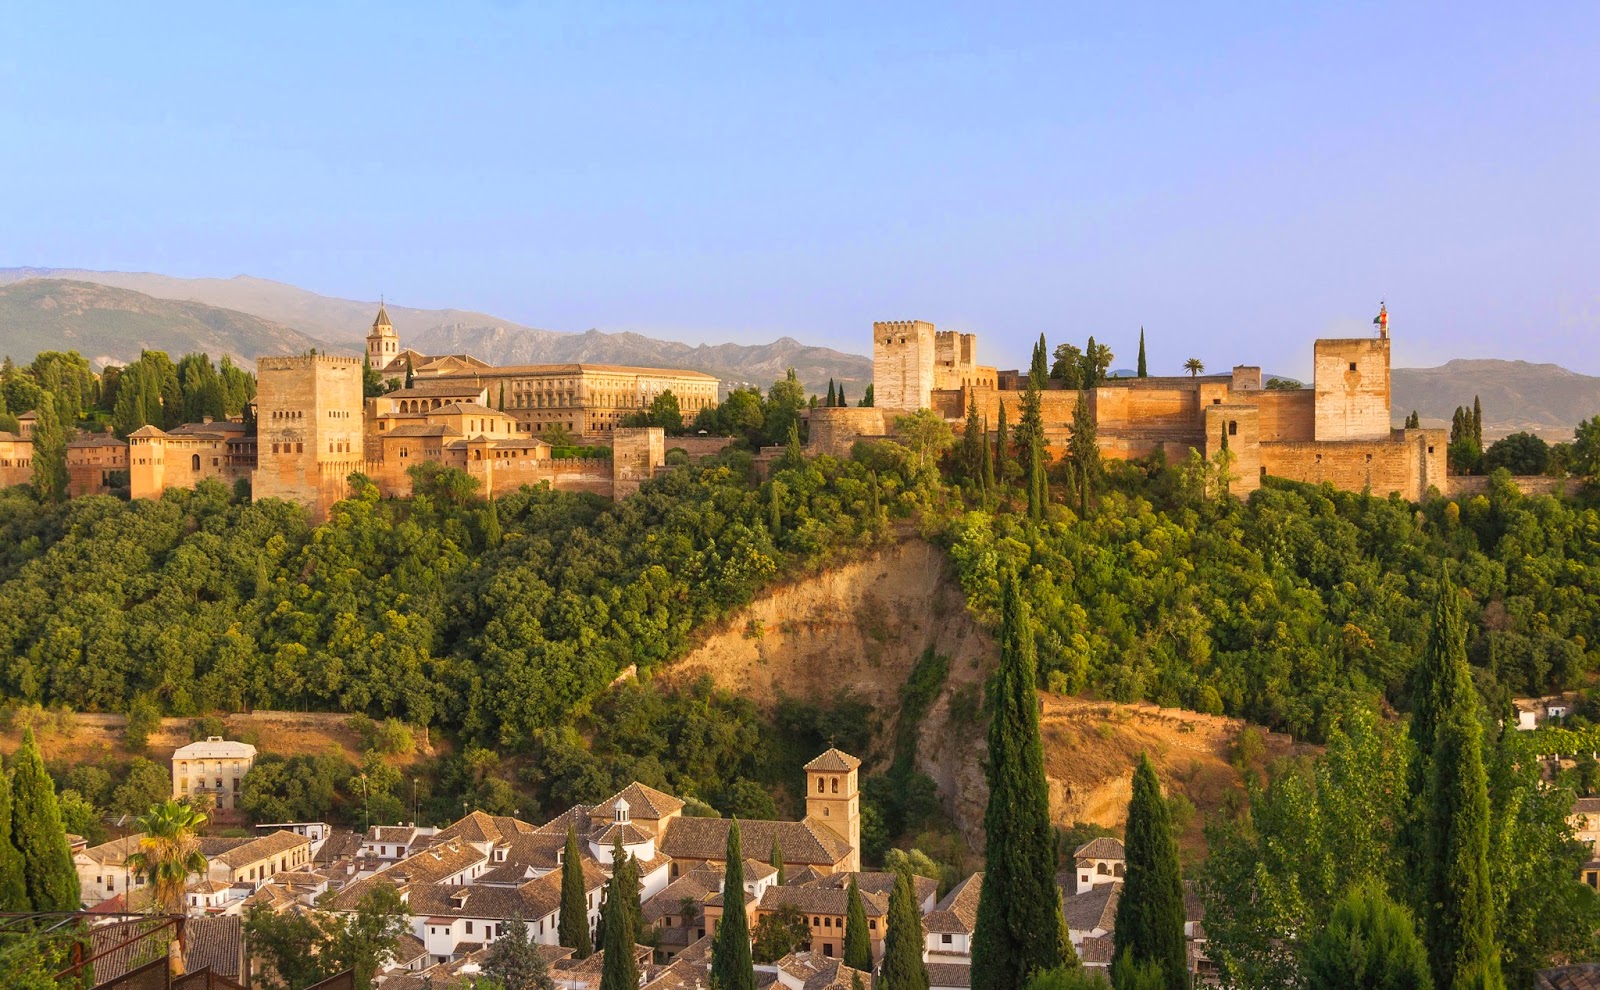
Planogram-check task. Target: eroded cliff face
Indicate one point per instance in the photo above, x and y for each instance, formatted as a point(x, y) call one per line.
point(860, 628)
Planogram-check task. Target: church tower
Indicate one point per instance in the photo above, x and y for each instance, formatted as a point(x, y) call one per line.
point(383, 344)
point(834, 800)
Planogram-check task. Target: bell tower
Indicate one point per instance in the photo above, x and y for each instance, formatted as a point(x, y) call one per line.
point(383, 344)
point(833, 799)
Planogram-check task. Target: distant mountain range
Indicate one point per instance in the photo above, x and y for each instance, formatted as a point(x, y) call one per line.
point(111, 326)
point(343, 324)
point(1546, 399)
point(110, 316)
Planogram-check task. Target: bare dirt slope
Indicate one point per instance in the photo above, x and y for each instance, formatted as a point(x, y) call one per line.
point(1090, 748)
point(90, 737)
point(861, 628)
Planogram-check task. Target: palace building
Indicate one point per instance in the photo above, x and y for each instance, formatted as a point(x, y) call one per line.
point(580, 400)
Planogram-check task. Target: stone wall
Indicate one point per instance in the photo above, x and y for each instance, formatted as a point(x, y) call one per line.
point(1287, 414)
point(1402, 464)
point(902, 364)
point(698, 446)
point(16, 460)
point(1457, 486)
point(1352, 389)
point(1241, 422)
point(834, 430)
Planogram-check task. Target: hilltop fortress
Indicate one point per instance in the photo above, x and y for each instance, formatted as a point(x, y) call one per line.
point(1339, 430)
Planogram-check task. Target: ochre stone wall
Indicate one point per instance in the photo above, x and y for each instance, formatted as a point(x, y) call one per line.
point(1352, 389)
point(1286, 414)
point(834, 430)
point(698, 447)
point(16, 461)
point(1402, 464)
point(89, 468)
point(636, 452)
point(902, 364)
point(1457, 486)
point(1241, 423)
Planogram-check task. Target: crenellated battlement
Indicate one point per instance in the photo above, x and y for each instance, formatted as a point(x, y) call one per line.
point(303, 362)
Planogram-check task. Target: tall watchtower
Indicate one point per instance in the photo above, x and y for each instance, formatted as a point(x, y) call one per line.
point(309, 430)
point(833, 799)
point(902, 364)
point(1352, 389)
point(383, 344)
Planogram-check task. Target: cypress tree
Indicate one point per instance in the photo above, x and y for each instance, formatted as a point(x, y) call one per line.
point(1019, 908)
point(13, 891)
point(1091, 366)
point(573, 928)
point(842, 400)
point(794, 455)
point(1000, 451)
point(774, 509)
point(1150, 913)
point(867, 400)
point(986, 464)
point(1455, 816)
point(1084, 446)
point(1038, 490)
point(50, 451)
point(411, 373)
point(903, 968)
point(972, 443)
point(832, 396)
point(1039, 370)
point(502, 396)
point(48, 874)
point(1144, 371)
point(775, 858)
point(731, 965)
point(1477, 422)
point(857, 943)
point(1438, 687)
point(620, 970)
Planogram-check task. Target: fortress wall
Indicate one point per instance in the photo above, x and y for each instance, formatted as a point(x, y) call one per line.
point(1242, 424)
point(1402, 464)
point(1117, 407)
point(1457, 486)
point(697, 446)
point(1055, 405)
point(1286, 414)
point(834, 430)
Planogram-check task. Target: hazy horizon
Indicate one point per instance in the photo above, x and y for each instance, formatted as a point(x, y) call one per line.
point(1238, 182)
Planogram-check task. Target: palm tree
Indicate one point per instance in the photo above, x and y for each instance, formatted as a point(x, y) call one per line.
point(168, 852)
point(1194, 366)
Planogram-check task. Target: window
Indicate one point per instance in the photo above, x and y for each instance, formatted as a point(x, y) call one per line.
point(946, 939)
point(1352, 366)
point(194, 462)
point(835, 785)
point(821, 788)
point(1430, 448)
point(469, 928)
point(1233, 427)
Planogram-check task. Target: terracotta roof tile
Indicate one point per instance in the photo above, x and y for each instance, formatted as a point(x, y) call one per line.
point(833, 761)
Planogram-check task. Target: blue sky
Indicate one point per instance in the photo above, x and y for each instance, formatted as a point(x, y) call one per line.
point(1237, 178)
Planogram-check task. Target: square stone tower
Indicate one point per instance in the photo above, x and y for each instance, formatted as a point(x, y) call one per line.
point(833, 799)
point(902, 364)
point(1352, 389)
point(308, 428)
